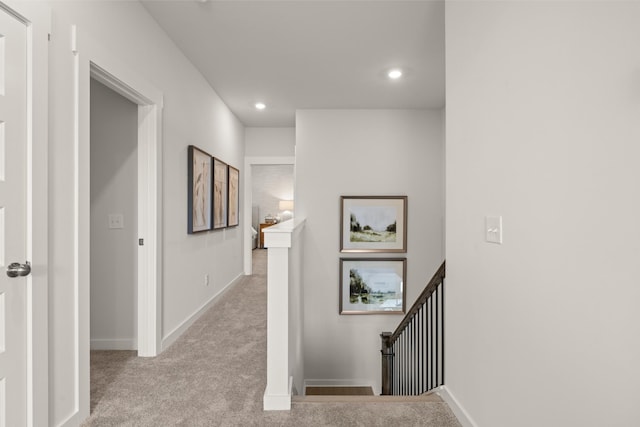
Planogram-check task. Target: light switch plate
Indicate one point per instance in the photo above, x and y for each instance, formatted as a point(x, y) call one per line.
point(493, 229)
point(116, 221)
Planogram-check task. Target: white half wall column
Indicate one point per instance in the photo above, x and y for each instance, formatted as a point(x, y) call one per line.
point(284, 314)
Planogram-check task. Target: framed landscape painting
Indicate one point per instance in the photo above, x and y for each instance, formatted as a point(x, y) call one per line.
point(372, 285)
point(373, 224)
point(199, 190)
point(234, 199)
point(220, 199)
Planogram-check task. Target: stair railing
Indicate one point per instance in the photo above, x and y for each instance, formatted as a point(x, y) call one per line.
point(413, 355)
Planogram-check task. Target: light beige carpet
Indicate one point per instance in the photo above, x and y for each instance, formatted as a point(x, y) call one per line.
point(215, 375)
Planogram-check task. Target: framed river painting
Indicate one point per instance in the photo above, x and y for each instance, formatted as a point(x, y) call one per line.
point(372, 285)
point(373, 224)
point(199, 191)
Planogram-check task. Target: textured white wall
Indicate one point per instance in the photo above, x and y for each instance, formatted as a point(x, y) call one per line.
point(271, 183)
point(114, 252)
point(543, 106)
point(362, 152)
point(192, 114)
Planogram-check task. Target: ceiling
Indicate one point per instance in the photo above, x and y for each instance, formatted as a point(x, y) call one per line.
point(316, 54)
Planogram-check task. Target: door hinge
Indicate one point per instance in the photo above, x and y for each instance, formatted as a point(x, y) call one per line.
point(140, 242)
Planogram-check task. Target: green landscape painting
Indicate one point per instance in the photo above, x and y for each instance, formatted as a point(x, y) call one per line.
point(373, 224)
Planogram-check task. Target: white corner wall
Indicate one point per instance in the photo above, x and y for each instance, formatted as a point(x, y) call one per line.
point(543, 113)
point(362, 152)
point(193, 114)
point(114, 252)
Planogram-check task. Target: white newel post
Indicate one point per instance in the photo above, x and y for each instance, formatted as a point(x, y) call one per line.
point(279, 240)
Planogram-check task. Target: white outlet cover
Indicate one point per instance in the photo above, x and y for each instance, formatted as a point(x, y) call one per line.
point(493, 229)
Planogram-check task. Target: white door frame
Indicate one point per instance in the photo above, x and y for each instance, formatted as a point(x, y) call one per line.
point(38, 23)
point(92, 61)
point(248, 196)
point(148, 149)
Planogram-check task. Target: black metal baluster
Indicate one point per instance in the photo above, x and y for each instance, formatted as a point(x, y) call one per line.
point(409, 357)
point(399, 362)
point(443, 330)
point(432, 352)
point(420, 332)
point(401, 366)
point(401, 390)
point(413, 356)
point(407, 352)
point(436, 337)
point(404, 363)
point(423, 377)
point(398, 355)
point(428, 348)
point(395, 370)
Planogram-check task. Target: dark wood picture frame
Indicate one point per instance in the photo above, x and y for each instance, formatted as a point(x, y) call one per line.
point(199, 191)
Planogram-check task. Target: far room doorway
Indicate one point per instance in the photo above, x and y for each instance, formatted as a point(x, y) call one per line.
point(269, 185)
point(271, 198)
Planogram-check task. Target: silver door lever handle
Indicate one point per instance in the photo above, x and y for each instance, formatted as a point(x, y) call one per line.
point(15, 269)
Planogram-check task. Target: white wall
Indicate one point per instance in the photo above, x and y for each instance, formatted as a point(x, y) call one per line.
point(362, 152)
point(114, 252)
point(270, 142)
point(543, 113)
point(193, 114)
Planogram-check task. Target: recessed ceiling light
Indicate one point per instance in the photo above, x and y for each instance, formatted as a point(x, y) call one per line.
point(261, 105)
point(395, 74)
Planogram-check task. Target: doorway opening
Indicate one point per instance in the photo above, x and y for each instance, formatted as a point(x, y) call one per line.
point(114, 228)
point(271, 197)
point(147, 105)
point(277, 178)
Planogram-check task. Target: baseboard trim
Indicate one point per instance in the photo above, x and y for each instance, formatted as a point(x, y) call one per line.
point(338, 383)
point(278, 402)
point(458, 410)
point(172, 336)
point(114, 344)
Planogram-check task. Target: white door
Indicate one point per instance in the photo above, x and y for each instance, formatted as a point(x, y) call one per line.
point(13, 142)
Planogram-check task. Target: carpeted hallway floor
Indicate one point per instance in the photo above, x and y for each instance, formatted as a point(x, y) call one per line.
point(215, 375)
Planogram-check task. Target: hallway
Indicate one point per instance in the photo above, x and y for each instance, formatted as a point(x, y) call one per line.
point(215, 374)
